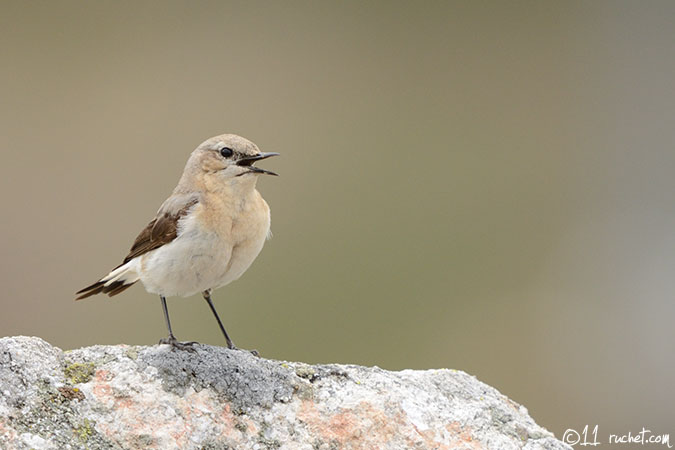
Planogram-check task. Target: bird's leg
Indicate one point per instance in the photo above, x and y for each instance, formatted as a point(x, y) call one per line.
point(230, 344)
point(171, 340)
point(207, 297)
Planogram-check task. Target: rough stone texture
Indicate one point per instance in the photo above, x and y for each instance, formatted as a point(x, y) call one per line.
point(124, 397)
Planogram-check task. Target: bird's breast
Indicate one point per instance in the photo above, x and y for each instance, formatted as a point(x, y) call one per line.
point(248, 231)
point(242, 224)
point(215, 245)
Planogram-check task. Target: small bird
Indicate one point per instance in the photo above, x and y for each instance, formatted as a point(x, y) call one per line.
point(204, 236)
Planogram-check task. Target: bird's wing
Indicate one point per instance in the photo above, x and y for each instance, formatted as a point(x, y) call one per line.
point(164, 227)
point(161, 230)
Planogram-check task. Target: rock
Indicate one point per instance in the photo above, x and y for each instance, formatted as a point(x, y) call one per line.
point(124, 397)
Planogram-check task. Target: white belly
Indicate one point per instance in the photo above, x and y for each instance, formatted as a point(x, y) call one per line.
point(198, 260)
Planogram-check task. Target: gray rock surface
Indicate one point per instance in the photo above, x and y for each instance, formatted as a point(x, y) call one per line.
point(125, 397)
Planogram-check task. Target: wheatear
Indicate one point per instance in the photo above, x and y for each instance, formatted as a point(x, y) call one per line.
point(205, 235)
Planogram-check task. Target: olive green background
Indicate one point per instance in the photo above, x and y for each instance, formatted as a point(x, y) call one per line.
point(485, 186)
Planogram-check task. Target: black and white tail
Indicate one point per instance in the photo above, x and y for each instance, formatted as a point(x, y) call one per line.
point(119, 279)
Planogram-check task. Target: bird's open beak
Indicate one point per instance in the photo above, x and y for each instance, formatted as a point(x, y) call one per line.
point(249, 160)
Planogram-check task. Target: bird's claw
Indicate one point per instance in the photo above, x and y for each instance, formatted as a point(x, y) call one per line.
point(177, 345)
point(253, 352)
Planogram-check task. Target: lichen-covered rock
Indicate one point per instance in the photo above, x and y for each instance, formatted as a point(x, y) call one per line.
point(122, 397)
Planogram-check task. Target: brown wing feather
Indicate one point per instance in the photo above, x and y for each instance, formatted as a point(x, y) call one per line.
point(160, 231)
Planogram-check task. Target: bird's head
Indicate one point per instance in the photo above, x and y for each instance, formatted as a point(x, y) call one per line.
point(228, 159)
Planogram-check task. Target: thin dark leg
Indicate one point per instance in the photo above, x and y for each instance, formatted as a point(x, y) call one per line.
point(166, 317)
point(171, 340)
point(207, 297)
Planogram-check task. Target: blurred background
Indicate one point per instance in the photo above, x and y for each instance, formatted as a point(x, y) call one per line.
point(484, 186)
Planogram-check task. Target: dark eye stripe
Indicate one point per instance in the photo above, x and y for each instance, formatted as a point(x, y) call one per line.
point(226, 152)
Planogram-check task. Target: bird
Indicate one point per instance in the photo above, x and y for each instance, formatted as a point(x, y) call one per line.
point(204, 236)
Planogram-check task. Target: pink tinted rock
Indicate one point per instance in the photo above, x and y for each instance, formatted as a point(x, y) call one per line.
point(121, 397)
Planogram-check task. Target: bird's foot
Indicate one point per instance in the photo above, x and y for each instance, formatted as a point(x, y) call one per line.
point(253, 352)
point(176, 345)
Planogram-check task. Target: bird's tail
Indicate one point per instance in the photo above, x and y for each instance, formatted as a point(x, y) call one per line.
point(119, 279)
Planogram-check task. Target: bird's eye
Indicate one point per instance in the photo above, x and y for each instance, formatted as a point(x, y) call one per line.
point(226, 152)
